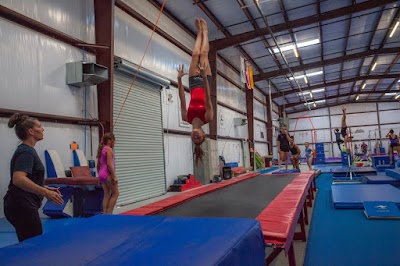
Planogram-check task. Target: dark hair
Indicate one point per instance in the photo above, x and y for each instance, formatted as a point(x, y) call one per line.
point(336, 129)
point(22, 124)
point(106, 137)
point(391, 131)
point(198, 153)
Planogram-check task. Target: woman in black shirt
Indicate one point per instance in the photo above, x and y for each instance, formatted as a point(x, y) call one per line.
point(283, 147)
point(26, 189)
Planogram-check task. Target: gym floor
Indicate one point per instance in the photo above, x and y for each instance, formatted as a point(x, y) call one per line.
point(334, 237)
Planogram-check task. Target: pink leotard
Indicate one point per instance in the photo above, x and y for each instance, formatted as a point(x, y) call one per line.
point(104, 172)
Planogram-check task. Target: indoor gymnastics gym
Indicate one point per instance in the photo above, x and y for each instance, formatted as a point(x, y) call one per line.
point(211, 103)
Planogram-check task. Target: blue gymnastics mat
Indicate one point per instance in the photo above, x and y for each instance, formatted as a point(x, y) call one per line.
point(284, 171)
point(345, 171)
point(143, 240)
point(353, 196)
point(380, 179)
point(395, 173)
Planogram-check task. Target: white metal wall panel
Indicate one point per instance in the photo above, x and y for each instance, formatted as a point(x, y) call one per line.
point(260, 96)
point(260, 110)
point(261, 148)
point(232, 150)
point(318, 112)
point(225, 125)
point(231, 95)
point(354, 107)
point(308, 123)
point(139, 154)
point(72, 17)
point(388, 106)
point(260, 131)
point(33, 71)
point(162, 57)
point(229, 72)
point(386, 117)
point(352, 120)
point(178, 156)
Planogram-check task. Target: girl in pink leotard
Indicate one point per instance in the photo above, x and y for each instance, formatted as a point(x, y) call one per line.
point(106, 170)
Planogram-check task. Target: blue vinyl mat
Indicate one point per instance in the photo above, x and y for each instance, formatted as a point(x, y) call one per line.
point(380, 179)
point(143, 240)
point(395, 173)
point(353, 196)
point(345, 171)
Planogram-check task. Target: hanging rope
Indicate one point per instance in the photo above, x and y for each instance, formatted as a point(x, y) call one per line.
point(141, 61)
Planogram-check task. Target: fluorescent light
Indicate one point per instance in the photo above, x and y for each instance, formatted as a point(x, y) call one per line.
point(398, 96)
point(299, 45)
point(390, 93)
point(311, 95)
point(374, 66)
point(305, 79)
point(315, 105)
point(394, 29)
point(307, 75)
point(320, 101)
point(304, 93)
point(317, 90)
point(295, 52)
point(358, 97)
point(363, 86)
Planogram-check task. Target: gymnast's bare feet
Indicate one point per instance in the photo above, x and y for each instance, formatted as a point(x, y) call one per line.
point(197, 23)
point(203, 24)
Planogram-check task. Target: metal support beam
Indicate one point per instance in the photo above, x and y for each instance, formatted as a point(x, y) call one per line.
point(269, 124)
point(244, 37)
point(250, 123)
point(334, 83)
point(104, 25)
point(32, 24)
point(327, 62)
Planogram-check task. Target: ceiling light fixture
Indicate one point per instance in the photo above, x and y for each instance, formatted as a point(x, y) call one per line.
point(307, 75)
point(398, 96)
point(394, 29)
point(390, 93)
point(299, 45)
point(363, 86)
point(295, 52)
point(317, 90)
point(358, 97)
point(373, 68)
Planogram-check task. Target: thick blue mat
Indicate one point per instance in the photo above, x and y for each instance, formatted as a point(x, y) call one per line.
point(395, 173)
point(345, 171)
point(284, 171)
point(144, 240)
point(353, 196)
point(380, 179)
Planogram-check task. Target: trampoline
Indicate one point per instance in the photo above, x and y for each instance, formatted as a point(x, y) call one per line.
point(381, 179)
point(353, 196)
point(345, 171)
point(241, 200)
point(143, 240)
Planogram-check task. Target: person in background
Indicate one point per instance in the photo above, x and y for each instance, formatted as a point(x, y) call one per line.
point(309, 155)
point(200, 110)
point(283, 147)
point(394, 144)
point(26, 189)
point(338, 139)
point(364, 148)
point(295, 150)
point(106, 170)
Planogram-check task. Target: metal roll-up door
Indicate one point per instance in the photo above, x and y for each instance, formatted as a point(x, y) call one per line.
point(139, 153)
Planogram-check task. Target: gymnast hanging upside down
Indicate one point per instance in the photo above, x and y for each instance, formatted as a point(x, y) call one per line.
point(200, 110)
